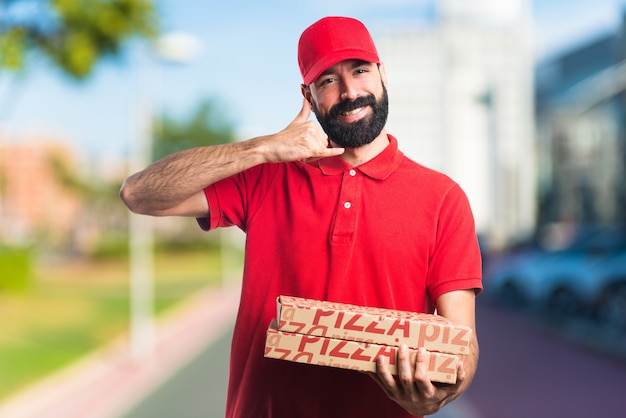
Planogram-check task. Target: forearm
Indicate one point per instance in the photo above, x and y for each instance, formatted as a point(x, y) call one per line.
point(470, 364)
point(172, 185)
point(172, 180)
point(459, 307)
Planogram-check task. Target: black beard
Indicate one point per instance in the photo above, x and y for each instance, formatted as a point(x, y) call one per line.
point(361, 132)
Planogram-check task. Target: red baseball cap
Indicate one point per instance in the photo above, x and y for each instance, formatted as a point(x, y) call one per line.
point(331, 40)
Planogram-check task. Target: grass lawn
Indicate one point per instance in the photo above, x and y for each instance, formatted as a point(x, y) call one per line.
point(74, 308)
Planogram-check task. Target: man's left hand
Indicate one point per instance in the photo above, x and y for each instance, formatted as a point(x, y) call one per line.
point(411, 388)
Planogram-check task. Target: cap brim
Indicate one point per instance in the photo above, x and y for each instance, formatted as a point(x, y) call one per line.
point(336, 57)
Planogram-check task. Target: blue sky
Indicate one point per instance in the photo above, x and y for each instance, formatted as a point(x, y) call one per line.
point(247, 62)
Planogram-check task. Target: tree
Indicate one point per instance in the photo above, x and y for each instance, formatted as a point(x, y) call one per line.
point(73, 34)
point(206, 126)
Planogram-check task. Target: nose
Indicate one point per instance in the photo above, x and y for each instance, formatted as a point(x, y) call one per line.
point(345, 96)
point(348, 91)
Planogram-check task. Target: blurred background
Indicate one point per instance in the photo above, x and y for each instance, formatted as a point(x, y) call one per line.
point(522, 102)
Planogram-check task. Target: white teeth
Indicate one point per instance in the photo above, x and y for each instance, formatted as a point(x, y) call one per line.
point(352, 112)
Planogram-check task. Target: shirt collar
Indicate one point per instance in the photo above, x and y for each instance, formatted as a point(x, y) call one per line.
point(379, 167)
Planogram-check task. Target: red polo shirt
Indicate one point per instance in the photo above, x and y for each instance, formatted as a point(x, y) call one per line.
point(388, 233)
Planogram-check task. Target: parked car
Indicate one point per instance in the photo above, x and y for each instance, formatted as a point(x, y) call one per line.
point(609, 307)
point(581, 271)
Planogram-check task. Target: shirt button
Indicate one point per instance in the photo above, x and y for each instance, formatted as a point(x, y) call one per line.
point(353, 172)
point(347, 205)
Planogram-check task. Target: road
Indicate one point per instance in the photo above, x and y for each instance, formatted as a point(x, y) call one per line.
point(527, 372)
point(524, 372)
point(198, 390)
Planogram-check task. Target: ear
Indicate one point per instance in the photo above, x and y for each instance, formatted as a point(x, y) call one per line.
point(383, 73)
point(306, 92)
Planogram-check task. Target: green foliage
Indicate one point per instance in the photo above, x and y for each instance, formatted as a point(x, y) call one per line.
point(74, 308)
point(206, 126)
point(12, 45)
point(73, 34)
point(111, 246)
point(15, 268)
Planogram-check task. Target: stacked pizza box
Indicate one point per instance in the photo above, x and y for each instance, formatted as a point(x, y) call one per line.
point(352, 337)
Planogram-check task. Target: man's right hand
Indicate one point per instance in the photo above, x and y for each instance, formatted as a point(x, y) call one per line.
point(301, 140)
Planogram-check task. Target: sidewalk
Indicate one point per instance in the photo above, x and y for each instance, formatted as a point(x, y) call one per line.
point(108, 382)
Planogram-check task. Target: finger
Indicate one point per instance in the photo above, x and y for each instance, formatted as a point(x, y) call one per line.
point(304, 113)
point(383, 374)
point(325, 153)
point(424, 385)
point(405, 371)
point(460, 373)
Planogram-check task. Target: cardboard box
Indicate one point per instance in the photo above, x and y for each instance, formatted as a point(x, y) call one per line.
point(360, 356)
point(372, 325)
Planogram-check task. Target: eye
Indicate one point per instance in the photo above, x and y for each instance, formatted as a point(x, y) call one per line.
point(326, 80)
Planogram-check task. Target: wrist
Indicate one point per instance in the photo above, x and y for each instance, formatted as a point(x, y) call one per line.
point(260, 150)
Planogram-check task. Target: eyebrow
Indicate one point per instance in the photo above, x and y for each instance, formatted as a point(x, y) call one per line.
point(355, 64)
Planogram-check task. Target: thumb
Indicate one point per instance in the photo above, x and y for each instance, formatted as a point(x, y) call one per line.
point(305, 112)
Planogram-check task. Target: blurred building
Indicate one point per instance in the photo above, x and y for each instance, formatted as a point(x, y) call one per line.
point(35, 204)
point(461, 98)
point(581, 116)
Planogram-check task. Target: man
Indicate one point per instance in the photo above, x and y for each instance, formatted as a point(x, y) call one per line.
point(342, 216)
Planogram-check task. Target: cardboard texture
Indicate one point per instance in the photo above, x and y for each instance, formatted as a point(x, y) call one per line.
point(372, 325)
point(354, 355)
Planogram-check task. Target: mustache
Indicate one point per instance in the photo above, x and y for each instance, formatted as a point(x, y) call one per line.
point(342, 107)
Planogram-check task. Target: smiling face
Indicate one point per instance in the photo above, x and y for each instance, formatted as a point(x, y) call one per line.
point(350, 102)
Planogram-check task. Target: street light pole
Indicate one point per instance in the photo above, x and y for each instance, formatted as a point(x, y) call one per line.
point(173, 47)
point(141, 287)
point(141, 240)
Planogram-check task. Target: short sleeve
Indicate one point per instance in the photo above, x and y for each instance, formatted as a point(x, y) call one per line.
point(456, 262)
